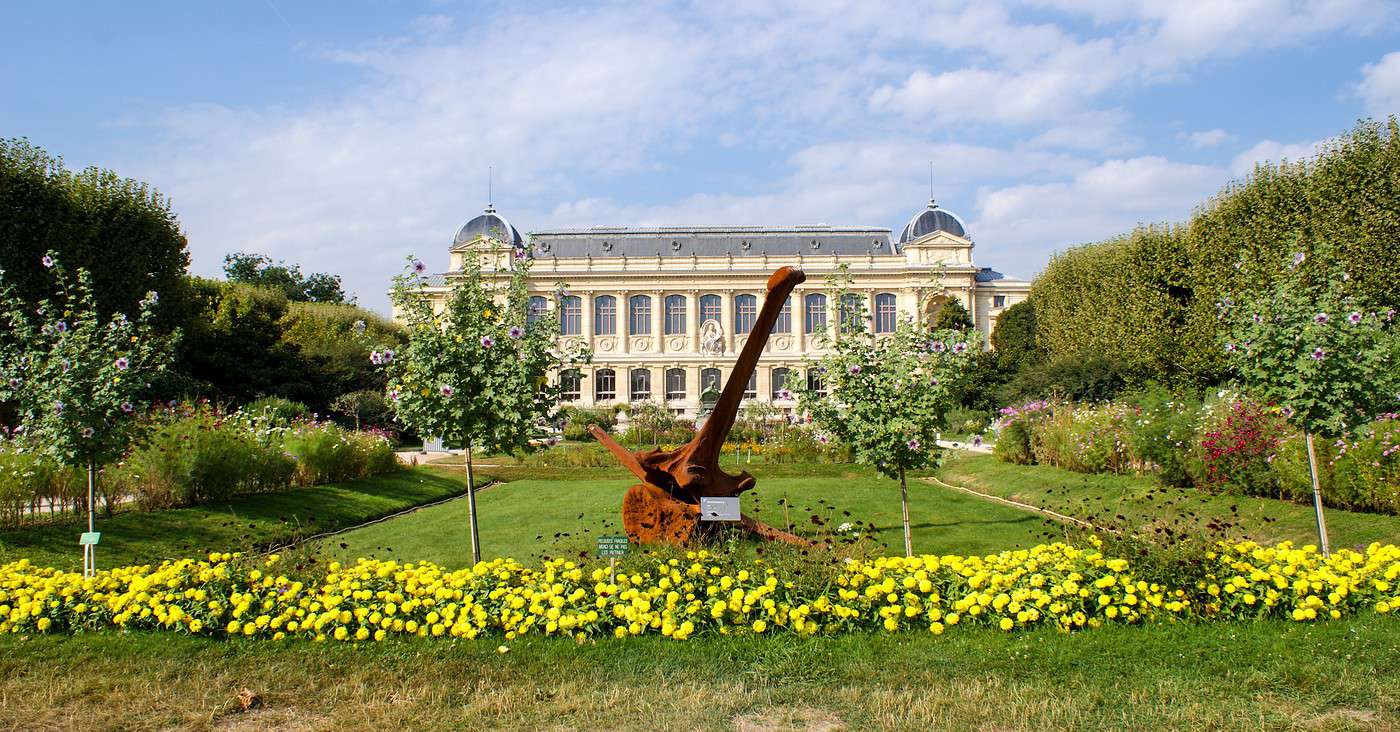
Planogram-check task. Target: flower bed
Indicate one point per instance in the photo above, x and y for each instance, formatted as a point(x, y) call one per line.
point(1055, 585)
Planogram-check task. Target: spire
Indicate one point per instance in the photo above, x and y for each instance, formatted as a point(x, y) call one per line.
point(931, 204)
point(490, 205)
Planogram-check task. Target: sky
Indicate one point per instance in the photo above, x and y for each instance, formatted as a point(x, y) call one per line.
point(346, 136)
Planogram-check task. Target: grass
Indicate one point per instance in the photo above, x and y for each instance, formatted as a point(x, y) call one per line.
point(1140, 502)
point(139, 537)
point(534, 516)
point(1267, 675)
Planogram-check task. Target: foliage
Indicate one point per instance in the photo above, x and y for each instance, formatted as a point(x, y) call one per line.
point(1330, 359)
point(478, 372)
point(331, 339)
point(577, 420)
point(650, 423)
point(120, 230)
point(952, 315)
point(258, 269)
point(1090, 378)
point(1087, 439)
point(276, 410)
point(1014, 338)
point(79, 379)
point(1050, 585)
point(1164, 283)
point(365, 407)
point(964, 421)
point(235, 352)
point(1162, 433)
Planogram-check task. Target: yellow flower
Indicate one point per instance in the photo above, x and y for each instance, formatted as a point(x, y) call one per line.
point(503, 649)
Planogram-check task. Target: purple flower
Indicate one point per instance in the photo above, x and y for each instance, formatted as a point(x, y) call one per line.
point(419, 267)
point(515, 332)
point(1230, 348)
point(487, 341)
point(551, 441)
point(128, 408)
point(47, 261)
point(1354, 318)
point(519, 254)
point(934, 381)
point(446, 390)
point(784, 394)
point(121, 363)
point(394, 394)
point(959, 347)
point(976, 440)
point(58, 407)
point(87, 433)
point(938, 346)
point(1318, 354)
point(375, 358)
point(914, 445)
point(388, 356)
point(1390, 315)
point(823, 439)
point(1257, 318)
point(1320, 318)
point(855, 370)
point(61, 326)
point(14, 382)
point(1298, 258)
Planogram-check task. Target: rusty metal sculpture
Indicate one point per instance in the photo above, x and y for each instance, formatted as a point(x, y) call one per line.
point(665, 506)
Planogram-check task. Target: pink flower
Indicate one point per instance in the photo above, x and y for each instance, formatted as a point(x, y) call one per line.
point(388, 356)
point(47, 261)
point(121, 363)
point(1354, 318)
point(446, 390)
point(914, 445)
point(855, 370)
point(515, 332)
point(1298, 258)
point(487, 341)
point(88, 433)
point(1318, 354)
point(1230, 348)
point(959, 347)
point(394, 394)
point(1320, 318)
point(938, 346)
point(128, 408)
point(419, 267)
point(375, 358)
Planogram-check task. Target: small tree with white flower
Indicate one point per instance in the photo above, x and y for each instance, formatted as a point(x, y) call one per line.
point(78, 383)
point(482, 371)
point(886, 395)
point(1330, 361)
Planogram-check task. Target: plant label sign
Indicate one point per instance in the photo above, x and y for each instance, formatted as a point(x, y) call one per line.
point(719, 508)
point(612, 546)
point(89, 538)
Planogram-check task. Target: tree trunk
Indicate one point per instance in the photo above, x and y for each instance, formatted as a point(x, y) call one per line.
point(471, 505)
point(1317, 496)
point(904, 506)
point(90, 551)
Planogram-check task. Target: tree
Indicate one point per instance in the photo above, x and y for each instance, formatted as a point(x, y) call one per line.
point(952, 316)
point(886, 396)
point(1330, 360)
point(478, 372)
point(257, 269)
point(1013, 338)
point(362, 406)
point(235, 351)
point(77, 378)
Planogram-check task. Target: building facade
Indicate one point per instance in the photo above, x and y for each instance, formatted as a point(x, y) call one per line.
point(666, 310)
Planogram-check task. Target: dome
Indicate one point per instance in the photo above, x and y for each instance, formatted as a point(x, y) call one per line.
point(491, 225)
point(930, 220)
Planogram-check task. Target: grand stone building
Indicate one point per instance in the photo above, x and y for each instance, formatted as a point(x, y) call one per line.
point(666, 310)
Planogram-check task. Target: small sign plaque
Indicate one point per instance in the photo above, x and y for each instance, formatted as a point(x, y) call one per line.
point(612, 546)
point(89, 538)
point(719, 508)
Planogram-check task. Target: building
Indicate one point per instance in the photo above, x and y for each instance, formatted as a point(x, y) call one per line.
point(666, 310)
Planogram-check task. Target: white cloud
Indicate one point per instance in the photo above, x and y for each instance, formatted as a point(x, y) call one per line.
point(1207, 138)
point(1270, 151)
point(1379, 87)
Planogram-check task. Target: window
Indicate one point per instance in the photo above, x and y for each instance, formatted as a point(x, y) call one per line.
point(639, 315)
point(537, 308)
point(641, 384)
point(709, 308)
point(709, 380)
point(815, 313)
point(751, 388)
point(675, 315)
point(675, 384)
point(998, 301)
point(570, 315)
point(851, 313)
point(745, 313)
point(604, 385)
point(780, 385)
point(570, 385)
point(815, 383)
point(885, 313)
point(784, 322)
point(604, 315)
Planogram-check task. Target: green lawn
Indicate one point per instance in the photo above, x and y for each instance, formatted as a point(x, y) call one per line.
point(533, 517)
point(138, 537)
point(1139, 502)
point(1270, 676)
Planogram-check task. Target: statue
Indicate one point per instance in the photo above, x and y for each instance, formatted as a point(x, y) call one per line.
point(665, 506)
point(711, 338)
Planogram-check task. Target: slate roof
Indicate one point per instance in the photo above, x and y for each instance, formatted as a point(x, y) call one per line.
point(710, 241)
point(490, 224)
point(987, 274)
point(930, 220)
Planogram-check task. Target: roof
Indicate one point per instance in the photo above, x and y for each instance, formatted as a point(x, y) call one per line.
point(711, 241)
point(987, 274)
point(491, 225)
point(930, 220)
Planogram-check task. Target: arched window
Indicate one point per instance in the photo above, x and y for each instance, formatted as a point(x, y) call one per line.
point(815, 382)
point(885, 313)
point(780, 385)
point(604, 385)
point(675, 384)
point(604, 315)
point(536, 309)
point(710, 308)
point(675, 315)
point(852, 313)
point(640, 381)
point(784, 322)
point(751, 388)
point(815, 313)
point(639, 315)
point(570, 315)
point(570, 385)
point(709, 380)
point(745, 312)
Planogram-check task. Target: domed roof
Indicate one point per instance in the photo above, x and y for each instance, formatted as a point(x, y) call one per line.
point(491, 225)
point(930, 220)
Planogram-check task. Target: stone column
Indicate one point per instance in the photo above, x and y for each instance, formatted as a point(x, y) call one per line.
point(658, 308)
point(693, 321)
point(585, 386)
point(586, 314)
point(692, 390)
point(799, 321)
point(726, 316)
point(624, 321)
point(763, 383)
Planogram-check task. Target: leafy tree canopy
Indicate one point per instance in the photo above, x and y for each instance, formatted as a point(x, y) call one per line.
point(258, 269)
point(952, 316)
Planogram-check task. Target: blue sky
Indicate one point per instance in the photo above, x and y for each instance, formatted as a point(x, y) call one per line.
point(344, 136)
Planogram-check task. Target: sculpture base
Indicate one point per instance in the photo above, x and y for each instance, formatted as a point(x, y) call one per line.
point(651, 516)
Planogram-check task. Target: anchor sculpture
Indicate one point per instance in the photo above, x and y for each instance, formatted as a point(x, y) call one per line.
point(665, 506)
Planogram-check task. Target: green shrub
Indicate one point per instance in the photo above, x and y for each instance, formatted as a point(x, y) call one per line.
point(577, 420)
point(1365, 469)
point(1015, 431)
point(1079, 379)
point(277, 410)
point(964, 421)
point(592, 455)
point(1163, 434)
